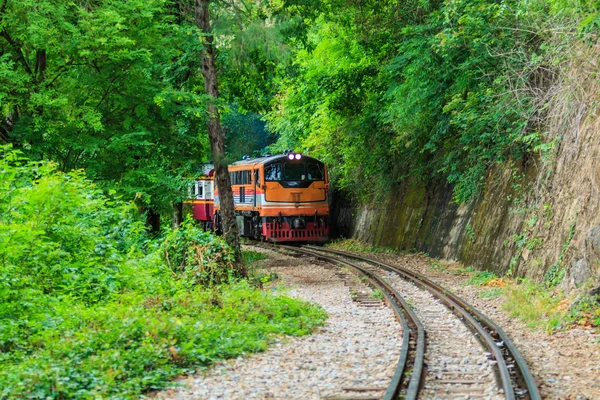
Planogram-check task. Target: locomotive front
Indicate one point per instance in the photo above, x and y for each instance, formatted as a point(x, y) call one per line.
point(280, 198)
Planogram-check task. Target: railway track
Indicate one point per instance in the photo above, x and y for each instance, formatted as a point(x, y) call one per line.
point(412, 379)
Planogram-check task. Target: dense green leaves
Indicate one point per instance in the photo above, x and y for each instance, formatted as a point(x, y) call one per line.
point(199, 256)
point(108, 86)
point(431, 90)
point(59, 236)
point(89, 308)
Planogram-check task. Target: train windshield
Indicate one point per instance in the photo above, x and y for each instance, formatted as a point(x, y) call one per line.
point(314, 172)
point(293, 172)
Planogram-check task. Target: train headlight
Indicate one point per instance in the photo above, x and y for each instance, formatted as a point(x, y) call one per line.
point(291, 156)
point(298, 156)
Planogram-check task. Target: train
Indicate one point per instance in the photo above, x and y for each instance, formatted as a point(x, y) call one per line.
point(280, 198)
point(200, 200)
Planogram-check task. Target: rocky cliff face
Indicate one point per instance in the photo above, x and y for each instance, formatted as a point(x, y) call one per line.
point(536, 218)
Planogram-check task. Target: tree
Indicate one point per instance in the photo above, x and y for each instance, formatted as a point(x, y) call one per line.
point(216, 134)
point(106, 86)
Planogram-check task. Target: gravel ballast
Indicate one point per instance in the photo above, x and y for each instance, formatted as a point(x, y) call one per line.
point(358, 348)
point(457, 366)
point(566, 365)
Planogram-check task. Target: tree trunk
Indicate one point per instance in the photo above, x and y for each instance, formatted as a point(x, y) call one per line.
point(177, 214)
point(153, 221)
point(216, 134)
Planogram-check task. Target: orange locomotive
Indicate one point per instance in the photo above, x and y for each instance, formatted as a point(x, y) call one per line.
point(281, 198)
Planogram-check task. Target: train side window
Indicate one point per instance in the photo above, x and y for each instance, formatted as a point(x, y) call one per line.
point(315, 172)
point(241, 177)
point(273, 172)
point(257, 177)
point(209, 190)
point(199, 189)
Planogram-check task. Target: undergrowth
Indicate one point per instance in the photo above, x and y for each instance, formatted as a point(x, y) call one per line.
point(537, 305)
point(359, 247)
point(92, 308)
point(256, 275)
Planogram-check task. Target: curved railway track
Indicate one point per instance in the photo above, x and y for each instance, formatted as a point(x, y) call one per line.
point(512, 373)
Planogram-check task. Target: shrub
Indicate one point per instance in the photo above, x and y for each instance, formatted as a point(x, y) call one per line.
point(61, 240)
point(199, 256)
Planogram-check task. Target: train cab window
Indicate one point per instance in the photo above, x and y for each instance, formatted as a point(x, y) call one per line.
point(273, 172)
point(314, 172)
point(293, 172)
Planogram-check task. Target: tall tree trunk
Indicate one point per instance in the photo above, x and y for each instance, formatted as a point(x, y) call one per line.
point(216, 134)
point(177, 215)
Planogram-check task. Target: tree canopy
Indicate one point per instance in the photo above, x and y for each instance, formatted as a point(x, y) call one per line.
point(432, 90)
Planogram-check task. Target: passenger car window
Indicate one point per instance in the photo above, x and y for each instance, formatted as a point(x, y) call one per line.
point(293, 172)
point(273, 172)
point(314, 172)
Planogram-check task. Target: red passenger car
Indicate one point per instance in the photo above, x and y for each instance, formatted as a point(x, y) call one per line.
point(201, 198)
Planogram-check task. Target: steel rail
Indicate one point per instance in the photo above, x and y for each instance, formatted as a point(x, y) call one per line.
point(477, 320)
point(416, 377)
point(402, 310)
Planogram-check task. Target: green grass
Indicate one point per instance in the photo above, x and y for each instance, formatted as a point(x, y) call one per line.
point(251, 256)
point(257, 276)
point(481, 277)
point(491, 293)
point(139, 342)
point(359, 247)
point(535, 306)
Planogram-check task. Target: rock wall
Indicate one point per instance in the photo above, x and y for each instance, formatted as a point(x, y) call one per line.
point(536, 218)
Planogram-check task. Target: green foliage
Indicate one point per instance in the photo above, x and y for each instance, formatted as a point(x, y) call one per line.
point(491, 293)
point(535, 306)
point(257, 276)
point(555, 274)
point(197, 255)
point(107, 86)
point(59, 236)
point(431, 90)
point(88, 307)
point(250, 256)
point(586, 310)
point(246, 134)
point(470, 233)
point(122, 347)
point(481, 278)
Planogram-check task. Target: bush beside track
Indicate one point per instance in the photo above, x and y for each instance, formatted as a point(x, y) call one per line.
point(91, 308)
